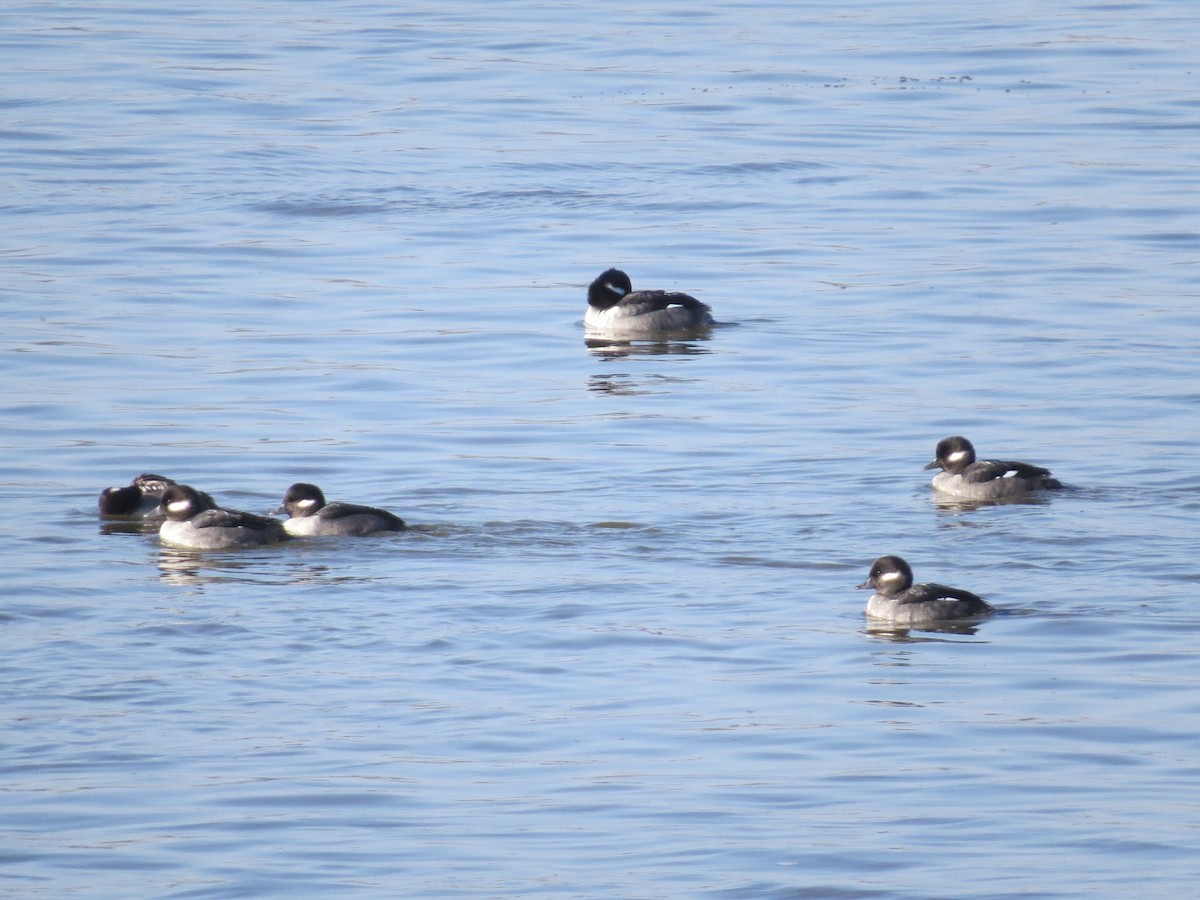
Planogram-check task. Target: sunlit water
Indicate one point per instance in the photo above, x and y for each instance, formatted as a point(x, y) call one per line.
point(620, 654)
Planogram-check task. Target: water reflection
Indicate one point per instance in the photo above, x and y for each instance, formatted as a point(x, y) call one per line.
point(628, 385)
point(195, 569)
point(299, 562)
point(924, 634)
point(682, 344)
point(956, 505)
point(128, 526)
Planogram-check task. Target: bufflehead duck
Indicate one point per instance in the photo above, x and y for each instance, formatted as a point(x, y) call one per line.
point(139, 499)
point(614, 306)
point(987, 479)
point(898, 600)
point(194, 523)
point(311, 515)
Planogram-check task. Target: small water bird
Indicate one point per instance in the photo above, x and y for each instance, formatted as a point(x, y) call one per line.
point(194, 523)
point(311, 515)
point(615, 307)
point(986, 479)
point(898, 600)
point(141, 498)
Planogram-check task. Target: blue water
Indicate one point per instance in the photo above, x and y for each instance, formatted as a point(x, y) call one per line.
point(619, 654)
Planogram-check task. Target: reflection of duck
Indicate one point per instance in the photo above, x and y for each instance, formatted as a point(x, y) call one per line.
point(612, 348)
point(631, 386)
point(951, 504)
point(923, 633)
point(311, 515)
point(986, 479)
point(898, 600)
point(615, 308)
point(187, 569)
point(194, 523)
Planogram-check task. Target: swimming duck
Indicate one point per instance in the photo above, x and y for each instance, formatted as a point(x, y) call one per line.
point(900, 601)
point(615, 307)
point(195, 523)
point(986, 479)
point(311, 515)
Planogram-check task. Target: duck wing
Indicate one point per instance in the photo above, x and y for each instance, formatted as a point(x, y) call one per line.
point(339, 510)
point(642, 302)
point(230, 518)
point(924, 593)
point(991, 469)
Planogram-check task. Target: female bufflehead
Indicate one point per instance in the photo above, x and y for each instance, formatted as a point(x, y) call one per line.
point(311, 515)
point(987, 479)
point(141, 498)
point(194, 523)
point(614, 306)
point(138, 498)
point(898, 600)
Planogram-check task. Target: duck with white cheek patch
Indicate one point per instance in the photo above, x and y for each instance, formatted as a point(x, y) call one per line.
point(311, 516)
point(985, 479)
point(614, 307)
point(194, 523)
point(899, 601)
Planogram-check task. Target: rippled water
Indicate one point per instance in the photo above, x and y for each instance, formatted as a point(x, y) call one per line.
point(620, 654)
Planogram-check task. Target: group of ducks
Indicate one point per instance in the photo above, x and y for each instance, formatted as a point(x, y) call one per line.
point(616, 310)
point(191, 520)
point(963, 477)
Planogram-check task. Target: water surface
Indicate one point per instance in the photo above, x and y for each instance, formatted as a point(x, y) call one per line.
point(620, 654)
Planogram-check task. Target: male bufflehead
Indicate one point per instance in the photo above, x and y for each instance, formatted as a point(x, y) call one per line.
point(193, 523)
point(987, 479)
point(898, 600)
point(614, 306)
point(139, 499)
point(311, 515)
